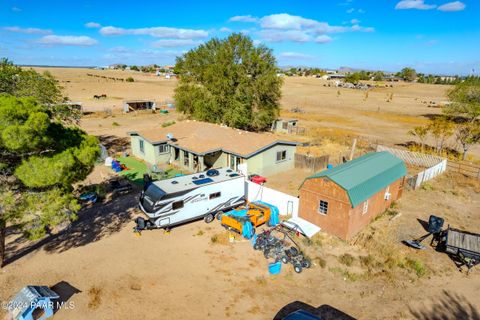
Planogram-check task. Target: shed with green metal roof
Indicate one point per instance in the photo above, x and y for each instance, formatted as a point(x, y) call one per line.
point(369, 184)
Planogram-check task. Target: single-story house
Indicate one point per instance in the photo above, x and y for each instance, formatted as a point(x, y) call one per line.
point(133, 105)
point(344, 199)
point(197, 146)
point(284, 125)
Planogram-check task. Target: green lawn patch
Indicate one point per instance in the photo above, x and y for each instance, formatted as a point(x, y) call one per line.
point(137, 168)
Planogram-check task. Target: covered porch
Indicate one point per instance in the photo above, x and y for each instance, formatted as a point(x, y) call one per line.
point(200, 162)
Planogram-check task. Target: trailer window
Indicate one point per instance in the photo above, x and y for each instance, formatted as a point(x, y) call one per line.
point(177, 205)
point(323, 207)
point(215, 195)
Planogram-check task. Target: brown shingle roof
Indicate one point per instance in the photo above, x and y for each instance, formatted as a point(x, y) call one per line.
point(200, 137)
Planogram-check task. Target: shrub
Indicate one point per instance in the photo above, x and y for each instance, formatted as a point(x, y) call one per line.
point(367, 261)
point(130, 79)
point(417, 266)
point(167, 124)
point(321, 262)
point(346, 259)
point(115, 124)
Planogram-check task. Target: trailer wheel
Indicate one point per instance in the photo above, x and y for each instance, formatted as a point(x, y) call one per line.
point(285, 259)
point(266, 254)
point(208, 218)
point(297, 268)
point(219, 215)
point(306, 263)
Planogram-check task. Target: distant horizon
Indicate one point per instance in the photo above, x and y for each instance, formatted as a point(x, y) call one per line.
point(281, 67)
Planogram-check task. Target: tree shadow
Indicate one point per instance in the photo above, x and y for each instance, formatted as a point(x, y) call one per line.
point(325, 311)
point(94, 223)
point(449, 306)
point(113, 143)
point(65, 290)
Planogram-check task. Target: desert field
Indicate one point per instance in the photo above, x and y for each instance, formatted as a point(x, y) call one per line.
point(384, 115)
point(107, 272)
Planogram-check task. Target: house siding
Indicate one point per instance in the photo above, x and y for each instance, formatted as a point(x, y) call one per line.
point(376, 205)
point(342, 220)
point(265, 163)
point(148, 155)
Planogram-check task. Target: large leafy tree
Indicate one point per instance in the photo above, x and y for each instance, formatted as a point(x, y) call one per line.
point(40, 159)
point(229, 81)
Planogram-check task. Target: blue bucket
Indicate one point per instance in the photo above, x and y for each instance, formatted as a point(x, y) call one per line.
point(275, 268)
point(329, 166)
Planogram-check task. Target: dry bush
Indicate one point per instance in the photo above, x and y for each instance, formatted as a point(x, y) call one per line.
point(220, 238)
point(346, 259)
point(95, 295)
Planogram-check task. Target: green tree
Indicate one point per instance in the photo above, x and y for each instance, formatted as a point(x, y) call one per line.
point(467, 134)
point(420, 132)
point(41, 86)
point(465, 100)
point(441, 129)
point(229, 81)
point(378, 76)
point(408, 74)
point(40, 159)
point(353, 78)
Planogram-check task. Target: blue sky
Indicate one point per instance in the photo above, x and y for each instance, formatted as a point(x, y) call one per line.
point(433, 36)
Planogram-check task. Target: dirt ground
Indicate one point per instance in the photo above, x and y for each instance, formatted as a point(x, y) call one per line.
point(105, 271)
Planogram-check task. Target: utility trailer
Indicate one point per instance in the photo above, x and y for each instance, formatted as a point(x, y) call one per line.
point(178, 200)
point(463, 245)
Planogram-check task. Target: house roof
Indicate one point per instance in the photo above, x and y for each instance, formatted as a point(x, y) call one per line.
point(365, 176)
point(202, 138)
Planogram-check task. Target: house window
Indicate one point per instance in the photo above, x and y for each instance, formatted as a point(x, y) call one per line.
point(365, 207)
point(285, 125)
point(142, 146)
point(177, 205)
point(281, 155)
point(163, 148)
point(215, 195)
point(323, 207)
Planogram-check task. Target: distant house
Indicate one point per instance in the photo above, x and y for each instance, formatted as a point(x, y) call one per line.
point(343, 200)
point(197, 146)
point(284, 125)
point(336, 76)
point(133, 105)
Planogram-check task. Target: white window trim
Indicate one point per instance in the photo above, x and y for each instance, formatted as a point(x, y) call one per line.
point(141, 143)
point(165, 145)
point(318, 208)
point(365, 207)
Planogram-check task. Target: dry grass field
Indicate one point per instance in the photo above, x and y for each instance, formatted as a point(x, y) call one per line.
point(194, 272)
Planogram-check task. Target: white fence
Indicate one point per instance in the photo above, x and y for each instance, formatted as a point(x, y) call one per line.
point(435, 165)
point(286, 204)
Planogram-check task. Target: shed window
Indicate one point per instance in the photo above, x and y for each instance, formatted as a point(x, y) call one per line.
point(281, 155)
point(215, 195)
point(177, 205)
point(163, 148)
point(323, 207)
point(365, 207)
point(285, 125)
point(142, 146)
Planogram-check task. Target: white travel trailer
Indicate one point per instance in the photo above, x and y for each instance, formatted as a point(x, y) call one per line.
point(191, 197)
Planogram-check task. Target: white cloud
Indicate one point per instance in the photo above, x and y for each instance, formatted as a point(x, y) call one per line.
point(452, 6)
point(356, 27)
point(158, 32)
point(173, 43)
point(281, 35)
point(414, 4)
point(431, 43)
point(295, 55)
point(28, 30)
point(247, 18)
point(354, 21)
point(323, 39)
point(93, 25)
point(54, 40)
point(225, 29)
point(353, 10)
point(286, 21)
point(16, 9)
